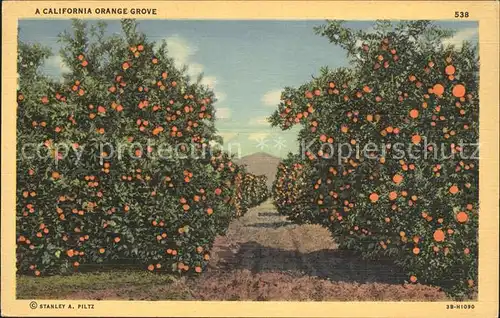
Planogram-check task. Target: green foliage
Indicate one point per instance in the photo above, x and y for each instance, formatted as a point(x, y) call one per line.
point(405, 93)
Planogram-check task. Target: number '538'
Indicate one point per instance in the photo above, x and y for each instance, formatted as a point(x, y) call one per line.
point(461, 14)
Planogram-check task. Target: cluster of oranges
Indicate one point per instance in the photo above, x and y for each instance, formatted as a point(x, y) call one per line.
point(420, 209)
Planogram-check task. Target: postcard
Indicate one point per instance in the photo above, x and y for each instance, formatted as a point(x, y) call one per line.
point(250, 158)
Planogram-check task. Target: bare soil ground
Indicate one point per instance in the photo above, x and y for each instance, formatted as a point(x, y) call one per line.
point(265, 257)
point(262, 257)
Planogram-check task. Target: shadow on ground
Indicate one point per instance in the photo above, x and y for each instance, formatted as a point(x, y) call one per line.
point(331, 264)
point(270, 214)
point(273, 225)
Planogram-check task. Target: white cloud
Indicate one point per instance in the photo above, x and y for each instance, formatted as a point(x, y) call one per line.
point(195, 69)
point(220, 96)
point(272, 98)
point(228, 135)
point(259, 121)
point(180, 49)
point(183, 51)
point(257, 136)
point(57, 62)
point(222, 113)
point(460, 37)
point(210, 81)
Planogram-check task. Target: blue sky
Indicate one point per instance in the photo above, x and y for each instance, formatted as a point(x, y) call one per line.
point(247, 63)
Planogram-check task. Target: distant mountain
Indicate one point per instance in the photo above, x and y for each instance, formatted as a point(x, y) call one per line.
point(261, 163)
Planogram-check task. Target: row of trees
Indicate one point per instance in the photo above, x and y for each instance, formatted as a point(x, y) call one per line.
point(115, 162)
point(389, 162)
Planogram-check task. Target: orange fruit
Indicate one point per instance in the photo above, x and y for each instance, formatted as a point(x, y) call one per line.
point(416, 250)
point(462, 217)
point(374, 197)
point(458, 90)
point(393, 195)
point(449, 70)
point(438, 89)
point(414, 113)
point(438, 235)
point(151, 267)
point(453, 189)
point(413, 278)
point(416, 139)
point(397, 178)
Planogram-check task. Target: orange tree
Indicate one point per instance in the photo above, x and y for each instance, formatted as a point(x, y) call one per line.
point(116, 162)
point(391, 147)
point(291, 192)
point(248, 189)
point(261, 189)
point(254, 189)
point(239, 197)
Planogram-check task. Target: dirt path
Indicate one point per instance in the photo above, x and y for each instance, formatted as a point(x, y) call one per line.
point(265, 257)
point(262, 240)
